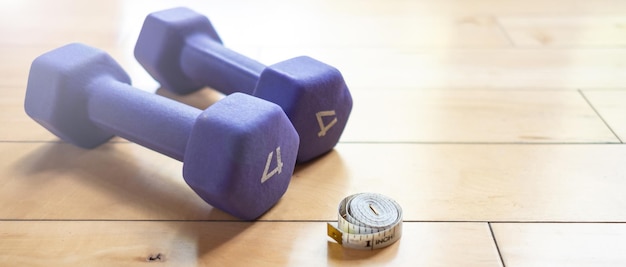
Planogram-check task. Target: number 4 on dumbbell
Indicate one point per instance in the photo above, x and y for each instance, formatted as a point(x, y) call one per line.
point(181, 49)
point(84, 97)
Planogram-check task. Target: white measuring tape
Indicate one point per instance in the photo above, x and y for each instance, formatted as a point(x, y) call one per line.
point(367, 221)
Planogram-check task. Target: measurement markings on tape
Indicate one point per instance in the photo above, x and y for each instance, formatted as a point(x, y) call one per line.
point(367, 221)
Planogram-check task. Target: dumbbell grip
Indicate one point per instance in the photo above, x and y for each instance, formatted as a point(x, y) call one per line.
point(156, 122)
point(209, 62)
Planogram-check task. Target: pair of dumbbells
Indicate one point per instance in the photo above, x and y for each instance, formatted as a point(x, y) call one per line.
point(239, 154)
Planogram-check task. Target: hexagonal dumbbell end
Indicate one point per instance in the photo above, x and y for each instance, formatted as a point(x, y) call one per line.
point(161, 42)
point(249, 148)
point(180, 48)
point(56, 96)
point(239, 154)
point(315, 98)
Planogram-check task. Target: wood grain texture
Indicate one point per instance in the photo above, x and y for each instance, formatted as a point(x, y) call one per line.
point(566, 31)
point(461, 69)
point(561, 244)
point(496, 124)
point(428, 116)
point(434, 182)
point(475, 116)
point(610, 104)
point(94, 243)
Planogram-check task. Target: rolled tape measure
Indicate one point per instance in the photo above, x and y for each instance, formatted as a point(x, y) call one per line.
point(367, 221)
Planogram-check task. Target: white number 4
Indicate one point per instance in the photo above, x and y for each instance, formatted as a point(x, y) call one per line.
point(320, 121)
point(279, 166)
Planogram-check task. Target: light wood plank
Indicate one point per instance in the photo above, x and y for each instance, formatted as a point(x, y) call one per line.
point(77, 243)
point(415, 116)
point(16, 65)
point(500, 7)
point(562, 244)
point(381, 69)
point(348, 30)
point(509, 144)
point(467, 182)
point(474, 116)
point(58, 23)
point(116, 27)
point(310, 23)
point(610, 105)
point(469, 69)
point(566, 31)
point(127, 19)
point(432, 182)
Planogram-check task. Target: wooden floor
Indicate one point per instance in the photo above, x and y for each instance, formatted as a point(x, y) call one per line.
point(498, 125)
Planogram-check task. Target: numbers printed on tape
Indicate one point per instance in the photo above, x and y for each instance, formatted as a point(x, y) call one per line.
point(320, 120)
point(367, 221)
point(279, 166)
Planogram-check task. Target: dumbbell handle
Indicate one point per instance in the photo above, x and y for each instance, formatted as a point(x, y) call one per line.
point(211, 63)
point(153, 121)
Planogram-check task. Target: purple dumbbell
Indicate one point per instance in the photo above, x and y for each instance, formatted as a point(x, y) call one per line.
point(181, 49)
point(239, 154)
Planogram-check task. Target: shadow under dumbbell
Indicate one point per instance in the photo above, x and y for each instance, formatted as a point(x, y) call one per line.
point(116, 181)
point(120, 181)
